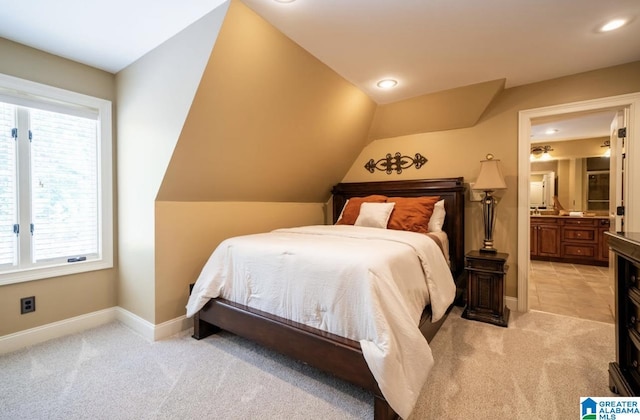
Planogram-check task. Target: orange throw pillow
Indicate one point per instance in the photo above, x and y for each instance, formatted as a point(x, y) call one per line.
point(411, 213)
point(352, 208)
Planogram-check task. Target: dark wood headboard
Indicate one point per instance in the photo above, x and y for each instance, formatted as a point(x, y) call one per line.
point(449, 189)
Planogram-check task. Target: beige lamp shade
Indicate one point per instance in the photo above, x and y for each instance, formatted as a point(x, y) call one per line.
point(490, 177)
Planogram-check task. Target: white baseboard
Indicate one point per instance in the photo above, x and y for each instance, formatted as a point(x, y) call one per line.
point(136, 323)
point(146, 329)
point(171, 327)
point(151, 331)
point(21, 339)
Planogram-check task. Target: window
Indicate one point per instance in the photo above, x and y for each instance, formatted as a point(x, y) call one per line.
point(598, 183)
point(55, 182)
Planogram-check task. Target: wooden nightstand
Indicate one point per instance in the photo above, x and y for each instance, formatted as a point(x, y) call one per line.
point(485, 287)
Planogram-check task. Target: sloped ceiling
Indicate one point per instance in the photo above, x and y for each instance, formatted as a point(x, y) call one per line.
point(269, 121)
point(454, 108)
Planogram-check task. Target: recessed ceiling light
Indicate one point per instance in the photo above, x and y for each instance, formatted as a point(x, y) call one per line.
point(386, 83)
point(551, 131)
point(285, 1)
point(613, 25)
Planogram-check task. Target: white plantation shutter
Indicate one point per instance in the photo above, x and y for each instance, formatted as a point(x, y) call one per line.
point(64, 186)
point(56, 203)
point(8, 189)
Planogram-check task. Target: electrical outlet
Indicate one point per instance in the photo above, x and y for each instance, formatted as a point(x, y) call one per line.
point(27, 304)
point(473, 194)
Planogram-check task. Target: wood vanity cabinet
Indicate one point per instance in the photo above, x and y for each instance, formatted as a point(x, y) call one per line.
point(603, 241)
point(578, 240)
point(545, 237)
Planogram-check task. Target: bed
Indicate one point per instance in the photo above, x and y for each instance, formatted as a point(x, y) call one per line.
point(333, 353)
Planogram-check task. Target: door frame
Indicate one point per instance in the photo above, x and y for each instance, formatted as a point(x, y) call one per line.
point(631, 176)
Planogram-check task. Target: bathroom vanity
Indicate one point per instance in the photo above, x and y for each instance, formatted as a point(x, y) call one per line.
point(570, 239)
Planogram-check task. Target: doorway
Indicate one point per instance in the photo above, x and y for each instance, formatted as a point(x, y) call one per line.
point(630, 177)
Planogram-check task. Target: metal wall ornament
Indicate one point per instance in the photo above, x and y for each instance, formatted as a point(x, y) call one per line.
point(396, 163)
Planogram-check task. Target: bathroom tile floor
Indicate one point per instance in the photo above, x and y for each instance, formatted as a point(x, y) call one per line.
point(581, 291)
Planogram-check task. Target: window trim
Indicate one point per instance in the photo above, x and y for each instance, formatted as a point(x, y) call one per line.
point(49, 95)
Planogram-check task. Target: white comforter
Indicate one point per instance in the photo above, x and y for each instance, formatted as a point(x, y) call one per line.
point(366, 284)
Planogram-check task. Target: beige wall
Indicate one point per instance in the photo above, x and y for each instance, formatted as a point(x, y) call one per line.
point(270, 131)
point(154, 97)
point(569, 168)
point(61, 297)
point(269, 122)
point(163, 243)
point(187, 233)
point(578, 148)
point(454, 108)
point(458, 152)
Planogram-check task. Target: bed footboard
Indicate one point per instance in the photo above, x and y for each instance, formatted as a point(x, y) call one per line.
point(336, 355)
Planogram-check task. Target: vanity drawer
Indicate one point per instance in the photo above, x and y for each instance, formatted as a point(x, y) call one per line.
point(588, 235)
point(579, 250)
point(579, 221)
point(543, 220)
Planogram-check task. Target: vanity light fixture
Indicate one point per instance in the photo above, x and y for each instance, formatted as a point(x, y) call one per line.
point(607, 144)
point(612, 25)
point(540, 153)
point(387, 83)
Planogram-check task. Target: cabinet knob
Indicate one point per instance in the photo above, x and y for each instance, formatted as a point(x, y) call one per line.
point(635, 363)
point(633, 320)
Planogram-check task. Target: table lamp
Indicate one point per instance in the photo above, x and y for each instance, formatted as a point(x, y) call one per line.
point(489, 180)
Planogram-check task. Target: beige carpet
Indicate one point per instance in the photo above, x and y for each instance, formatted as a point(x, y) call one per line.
point(539, 367)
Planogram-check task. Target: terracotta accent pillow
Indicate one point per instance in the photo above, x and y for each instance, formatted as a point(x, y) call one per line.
point(351, 209)
point(411, 213)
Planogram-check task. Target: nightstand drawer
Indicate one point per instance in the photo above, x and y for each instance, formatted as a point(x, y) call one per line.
point(488, 265)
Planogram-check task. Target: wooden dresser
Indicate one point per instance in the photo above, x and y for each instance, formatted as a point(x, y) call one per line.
point(624, 373)
point(577, 240)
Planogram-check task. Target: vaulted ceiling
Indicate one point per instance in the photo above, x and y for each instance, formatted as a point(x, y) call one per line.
point(427, 46)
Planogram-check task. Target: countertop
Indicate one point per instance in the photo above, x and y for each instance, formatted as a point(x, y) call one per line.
point(631, 237)
point(556, 216)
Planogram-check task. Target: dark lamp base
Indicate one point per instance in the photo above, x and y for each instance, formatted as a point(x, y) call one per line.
point(488, 250)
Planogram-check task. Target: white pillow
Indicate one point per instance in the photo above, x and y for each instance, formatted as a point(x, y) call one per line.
point(374, 214)
point(437, 218)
